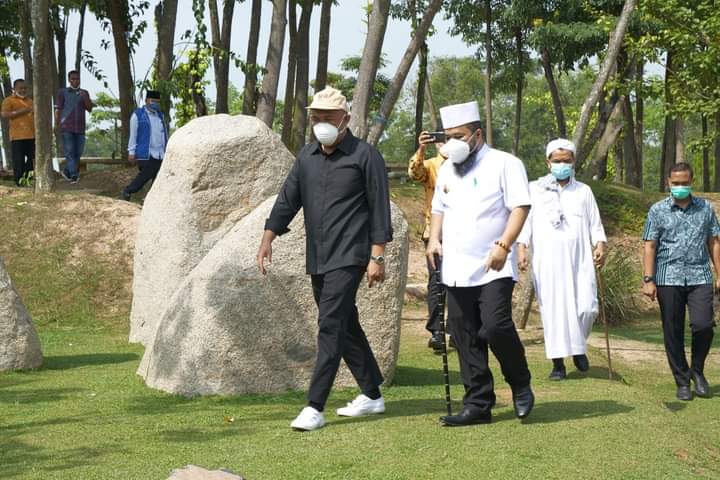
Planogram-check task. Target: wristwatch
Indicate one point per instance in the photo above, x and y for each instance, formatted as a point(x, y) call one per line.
point(379, 259)
point(648, 278)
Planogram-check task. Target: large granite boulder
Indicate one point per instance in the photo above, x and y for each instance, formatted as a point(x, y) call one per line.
point(19, 342)
point(229, 330)
point(217, 170)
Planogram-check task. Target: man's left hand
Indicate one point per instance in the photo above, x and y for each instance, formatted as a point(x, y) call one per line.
point(496, 260)
point(599, 255)
point(375, 273)
point(717, 285)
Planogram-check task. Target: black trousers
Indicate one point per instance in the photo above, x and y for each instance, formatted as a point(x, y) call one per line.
point(481, 317)
point(340, 335)
point(699, 302)
point(23, 157)
point(148, 171)
point(434, 289)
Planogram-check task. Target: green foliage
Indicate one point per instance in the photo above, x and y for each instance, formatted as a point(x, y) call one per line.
point(103, 133)
point(620, 291)
point(622, 208)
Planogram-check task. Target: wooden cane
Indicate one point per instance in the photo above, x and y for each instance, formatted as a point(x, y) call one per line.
point(601, 299)
point(441, 316)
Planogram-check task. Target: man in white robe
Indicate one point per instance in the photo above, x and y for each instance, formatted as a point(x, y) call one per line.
point(567, 240)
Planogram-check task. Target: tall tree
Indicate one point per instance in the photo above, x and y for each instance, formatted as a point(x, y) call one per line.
point(118, 14)
point(80, 33)
point(42, 71)
point(165, 21)
point(554, 93)
point(323, 45)
point(606, 68)
point(488, 73)
point(705, 154)
point(398, 80)
point(59, 20)
point(302, 76)
point(288, 101)
point(273, 61)
point(5, 91)
point(25, 9)
point(716, 183)
point(369, 66)
point(221, 50)
point(251, 68)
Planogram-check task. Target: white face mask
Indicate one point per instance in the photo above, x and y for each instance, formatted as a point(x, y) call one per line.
point(455, 150)
point(326, 133)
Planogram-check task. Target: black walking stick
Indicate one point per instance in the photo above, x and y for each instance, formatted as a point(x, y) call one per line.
point(441, 315)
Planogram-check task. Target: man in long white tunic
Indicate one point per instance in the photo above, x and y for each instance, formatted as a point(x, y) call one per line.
point(567, 240)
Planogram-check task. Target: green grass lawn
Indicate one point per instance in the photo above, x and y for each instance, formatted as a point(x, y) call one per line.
point(86, 415)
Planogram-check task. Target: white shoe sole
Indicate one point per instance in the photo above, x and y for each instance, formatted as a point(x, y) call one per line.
point(304, 428)
point(374, 411)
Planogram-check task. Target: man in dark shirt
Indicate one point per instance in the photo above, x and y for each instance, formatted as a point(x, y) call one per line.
point(71, 103)
point(341, 184)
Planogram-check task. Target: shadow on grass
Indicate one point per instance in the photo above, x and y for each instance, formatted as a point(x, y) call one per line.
point(41, 395)
point(414, 377)
point(66, 362)
point(596, 372)
point(562, 411)
point(198, 435)
point(675, 406)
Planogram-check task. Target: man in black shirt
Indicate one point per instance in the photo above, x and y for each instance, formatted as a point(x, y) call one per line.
point(341, 184)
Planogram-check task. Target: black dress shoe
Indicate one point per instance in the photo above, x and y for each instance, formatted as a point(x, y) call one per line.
point(684, 393)
point(702, 389)
point(558, 373)
point(436, 341)
point(125, 195)
point(451, 342)
point(469, 415)
point(581, 362)
point(523, 401)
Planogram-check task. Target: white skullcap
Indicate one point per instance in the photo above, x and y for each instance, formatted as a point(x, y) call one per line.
point(457, 115)
point(559, 143)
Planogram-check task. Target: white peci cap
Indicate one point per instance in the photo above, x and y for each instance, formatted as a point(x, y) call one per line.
point(461, 114)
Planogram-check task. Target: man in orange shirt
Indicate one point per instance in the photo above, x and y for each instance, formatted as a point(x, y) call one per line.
point(18, 109)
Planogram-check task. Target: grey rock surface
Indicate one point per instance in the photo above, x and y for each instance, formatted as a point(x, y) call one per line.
point(19, 342)
point(229, 330)
point(217, 169)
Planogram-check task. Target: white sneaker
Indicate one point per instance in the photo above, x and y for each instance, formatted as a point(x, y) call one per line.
point(309, 419)
point(362, 405)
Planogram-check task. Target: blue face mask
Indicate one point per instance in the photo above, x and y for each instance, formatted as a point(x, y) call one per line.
point(680, 192)
point(155, 107)
point(561, 171)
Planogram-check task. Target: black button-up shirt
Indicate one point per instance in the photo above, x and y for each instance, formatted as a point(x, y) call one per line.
point(345, 200)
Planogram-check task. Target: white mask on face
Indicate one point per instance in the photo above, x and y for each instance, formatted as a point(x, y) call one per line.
point(326, 133)
point(455, 150)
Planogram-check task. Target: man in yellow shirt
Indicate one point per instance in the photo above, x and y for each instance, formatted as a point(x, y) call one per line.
point(425, 171)
point(18, 109)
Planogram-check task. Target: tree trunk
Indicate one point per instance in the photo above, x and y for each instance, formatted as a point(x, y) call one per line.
point(273, 61)
point(619, 163)
point(393, 91)
point(420, 97)
point(633, 168)
point(302, 76)
point(434, 121)
point(25, 42)
point(607, 66)
point(609, 137)
point(221, 36)
point(117, 13)
point(80, 33)
point(705, 154)
point(554, 93)
point(679, 140)
point(717, 152)
point(605, 109)
point(288, 101)
point(377, 25)
point(488, 73)
point(520, 80)
point(640, 116)
point(667, 157)
point(323, 45)
point(59, 23)
point(5, 91)
point(42, 72)
point(251, 69)
point(165, 19)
